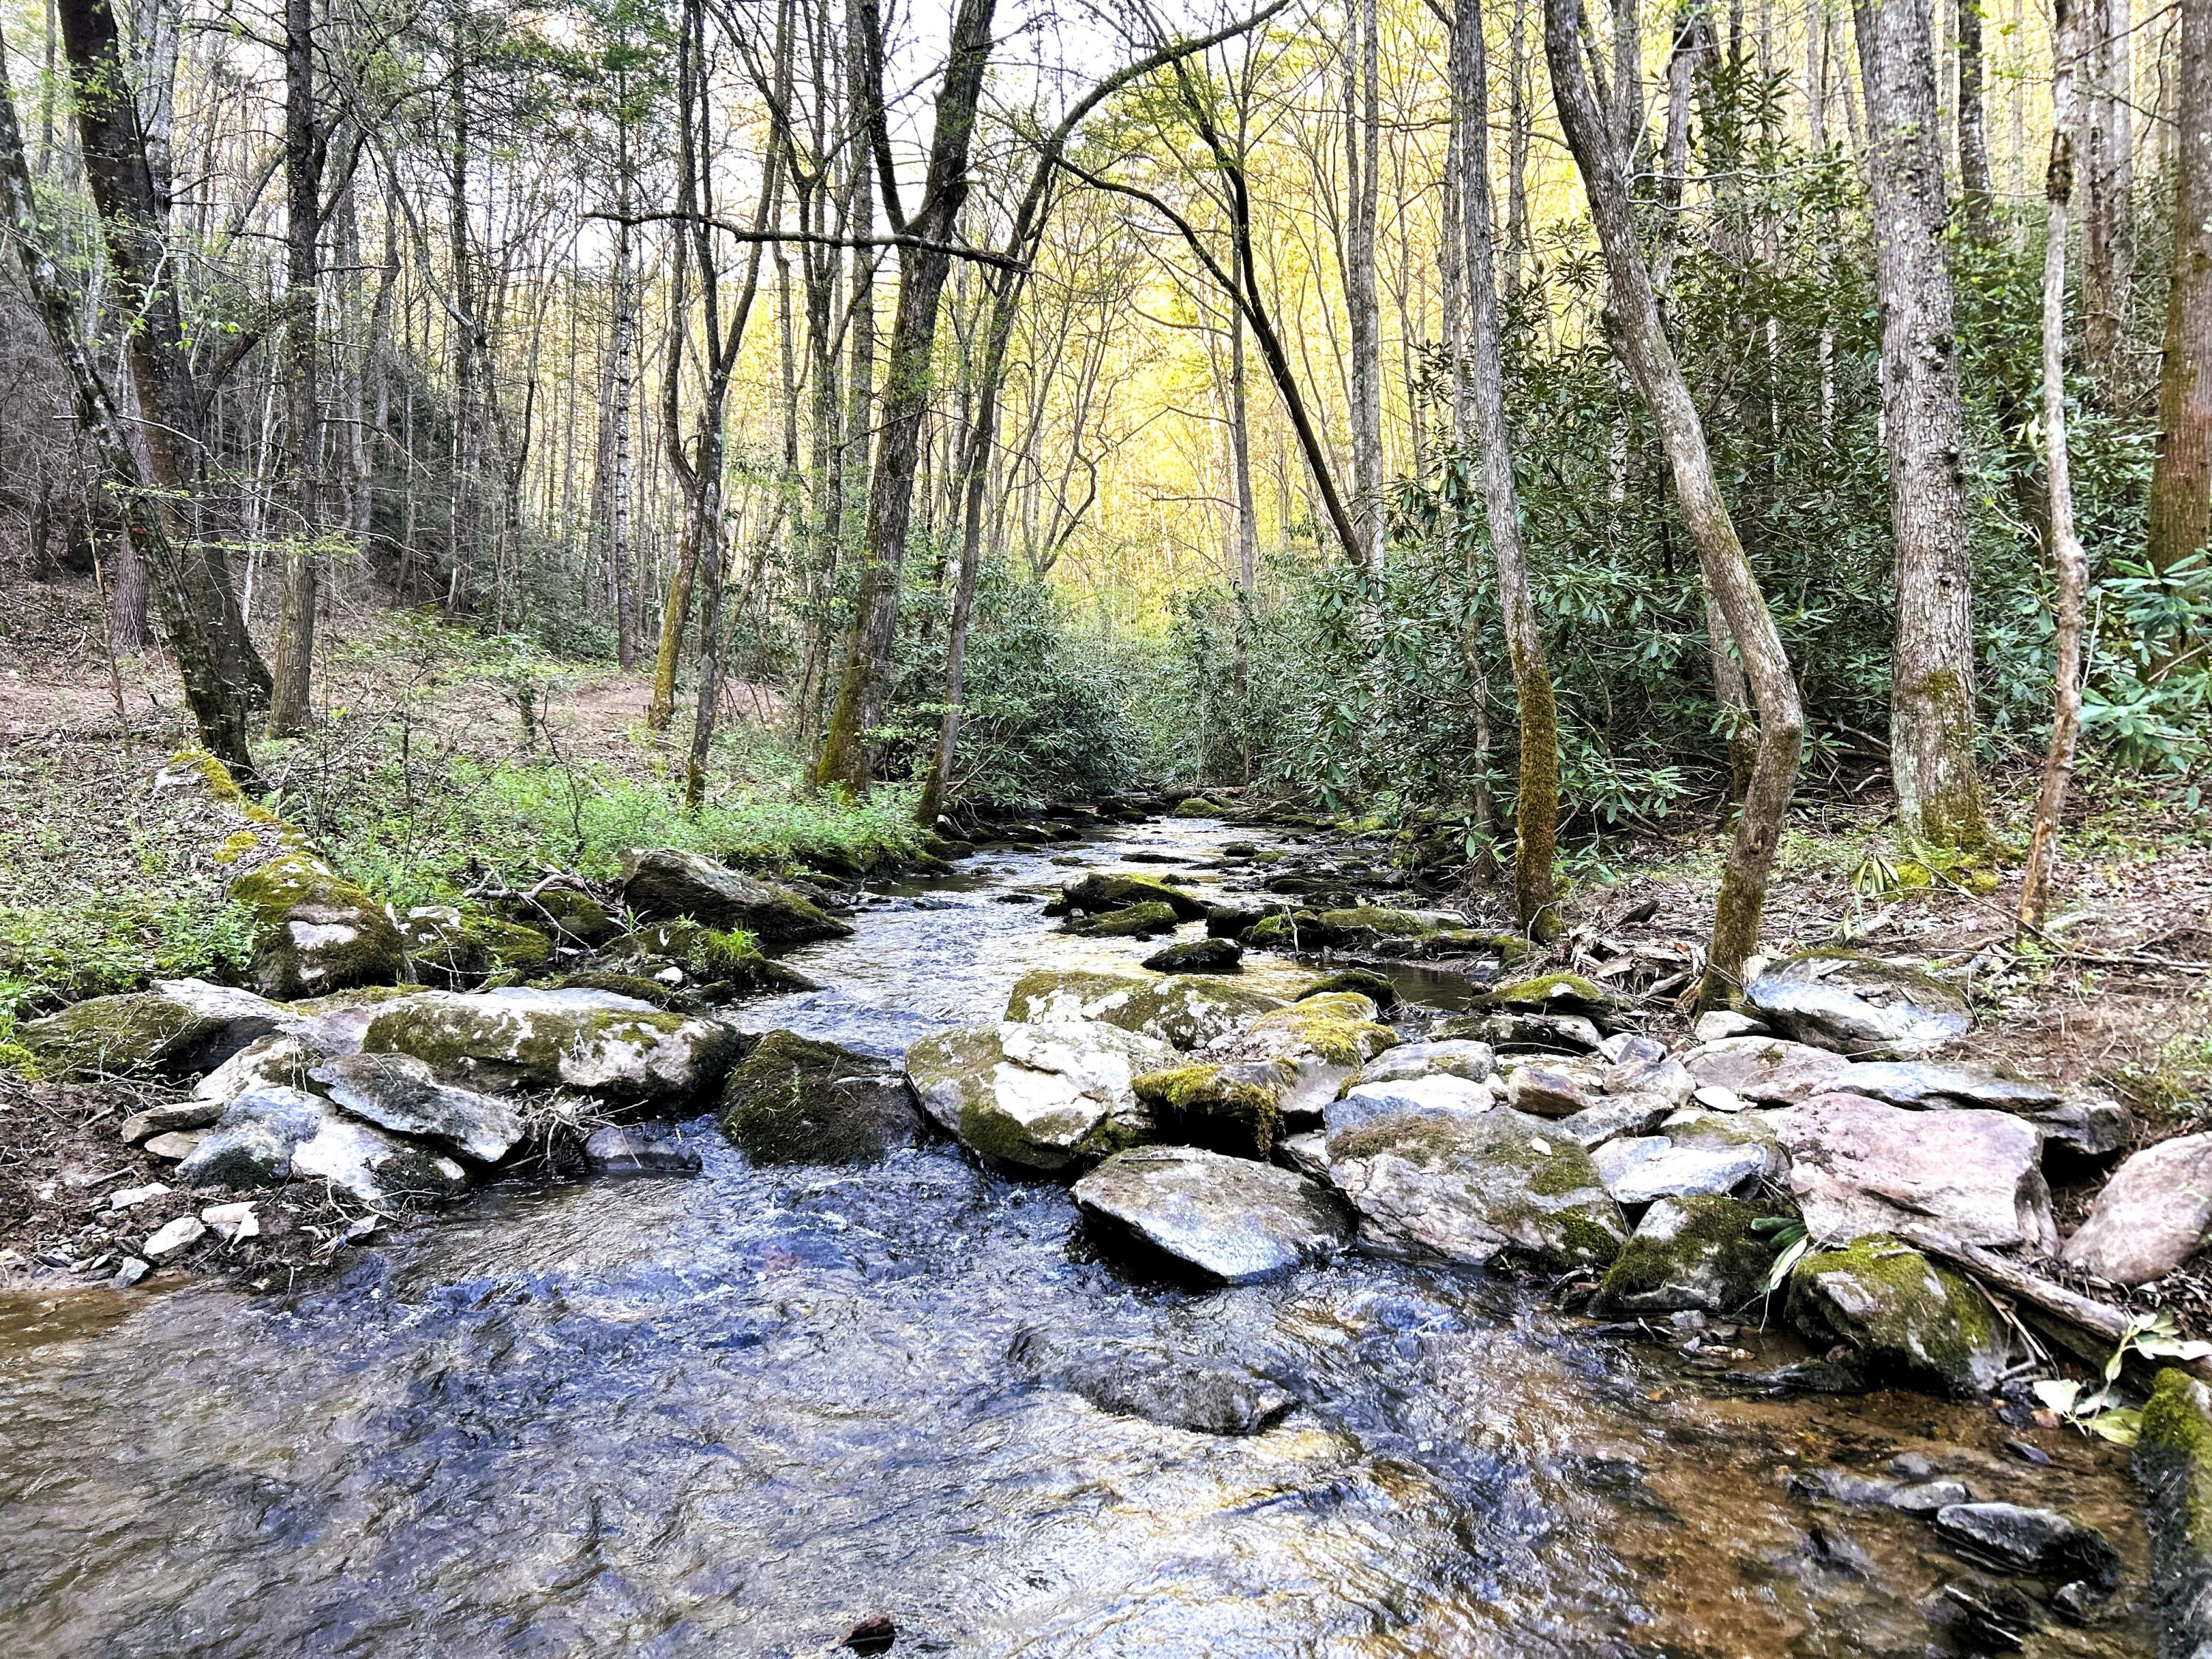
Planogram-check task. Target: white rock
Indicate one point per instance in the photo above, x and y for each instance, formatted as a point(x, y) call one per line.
point(131, 1195)
point(1714, 1098)
point(180, 1234)
point(1722, 1022)
point(232, 1222)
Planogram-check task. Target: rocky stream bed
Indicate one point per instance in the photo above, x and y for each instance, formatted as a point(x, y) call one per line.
point(1009, 1297)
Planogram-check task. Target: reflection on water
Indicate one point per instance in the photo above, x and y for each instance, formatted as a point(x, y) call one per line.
point(736, 1414)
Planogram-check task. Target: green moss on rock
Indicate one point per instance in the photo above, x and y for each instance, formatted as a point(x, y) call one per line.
point(1360, 982)
point(1135, 921)
point(1371, 921)
point(798, 1100)
point(1099, 892)
point(1910, 1317)
point(1340, 1026)
point(1703, 1254)
point(1233, 1109)
point(1558, 992)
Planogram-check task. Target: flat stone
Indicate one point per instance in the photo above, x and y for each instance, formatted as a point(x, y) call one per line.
point(142, 1126)
point(1553, 1032)
point(1230, 1219)
point(1132, 1379)
point(1549, 1091)
point(1770, 1070)
point(2042, 1542)
point(1860, 1167)
point(632, 1149)
point(134, 1196)
point(1724, 1022)
point(1858, 1005)
point(1460, 1057)
point(1641, 1074)
point(1639, 1171)
point(2154, 1214)
point(233, 1223)
point(400, 1093)
point(166, 1240)
point(1439, 1092)
point(2094, 1127)
point(1925, 1084)
point(1614, 1115)
point(1049, 1100)
point(175, 1146)
point(1714, 1098)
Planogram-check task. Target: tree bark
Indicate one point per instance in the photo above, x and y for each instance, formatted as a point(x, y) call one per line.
point(293, 671)
point(2181, 480)
point(1932, 764)
point(1363, 131)
point(1974, 189)
point(2106, 245)
point(1632, 319)
point(2072, 565)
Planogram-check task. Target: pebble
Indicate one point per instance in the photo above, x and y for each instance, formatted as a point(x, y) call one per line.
point(129, 1196)
point(129, 1272)
point(1715, 1098)
point(180, 1234)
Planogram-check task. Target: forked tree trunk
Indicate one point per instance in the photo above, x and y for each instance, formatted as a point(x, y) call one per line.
point(1536, 800)
point(2071, 565)
point(2181, 482)
point(1632, 318)
point(1931, 746)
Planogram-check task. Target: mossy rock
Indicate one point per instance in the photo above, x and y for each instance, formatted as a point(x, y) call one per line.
point(1556, 994)
point(1913, 1318)
point(1703, 1254)
point(315, 932)
point(1036, 1100)
point(1341, 1027)
point(668, 884)
point(1099, 892)
point(717, 964)
point(1361, 981)
point(1281, 930)
point(1233, 1108)
point(180, 1028)
point(1137, 922)
point(798, 1100)
point(2173, 1460)
point(1199, 806)
point(568, 913)
point(1362, 924)
point(671, 998)
point(1186, 1010)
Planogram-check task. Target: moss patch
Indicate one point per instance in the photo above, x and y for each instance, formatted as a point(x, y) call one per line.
point(1906, 1314)
point(783, 1105)
point(1340, 1026)
point(1224, 1108)
point(1133, 921)
point(1554, 993)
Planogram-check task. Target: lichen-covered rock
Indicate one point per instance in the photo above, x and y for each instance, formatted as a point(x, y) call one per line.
point(798, 1100)
point(1131, 921)
point(1455, 1057)
point(271, 1134)
point(1768, 1070)
point(570, 915)
point(620, 1050)
point(1860, 1167)
point(1369, 926)
point(1189, 1013)
point(1699, 1254)
point(1323, 1039)
point(2173, 1460)
point(1859, 1005)
point(399, 1093)
point(665, 884)
point(1365, 981)
point(315, 931)
point(1234, 1108)
point(1463, 1189)
point(453, 945)
point(1037, 1099)
point(1100, 892)
point(2154, 1214)
point(1557, 993)
point(714, 965)
point(180, 1027)
point(1436, 1091)
point(1907, 1316)
point(1567, 1034)
point(1228, 1219)
point(1198, 956)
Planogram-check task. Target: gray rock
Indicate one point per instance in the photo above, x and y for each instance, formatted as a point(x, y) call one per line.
point(1186, 1010)
point(143, 1127)
point(635, 1149)
point(2094, 1127)
point(1860, 1167)
point(1926, 1497)
point(128, 1273)
point(1637, 1172)
point(2041, 1542)
point(1459, 1057)
point(1543, 1091)
point(1631, 1047)
point(252, 1142)
point(1440, 1092)
point(1859, 1005)
point(1463, 1189)
point(1227, 1219)
point(1722, 1022)
point(1616, 1115)
point(280, 1058)
point(665, 884)
point(1907, 1316)
point(1925, 1084)
point(1049, 1100)
point(2154, 1214)
point(1643, 1075)
point(1324, 1039)
point(180, 1027)
point(273, 1134)
point(399, 1093)
point(175, 1146)
point(1768, 1070)
point(1307, 1153)
point(1132, 1380)
point(375, 1167)
point(166, 1240)
point(1523, 1032)
point(1199, 956)
point(1697, 1255)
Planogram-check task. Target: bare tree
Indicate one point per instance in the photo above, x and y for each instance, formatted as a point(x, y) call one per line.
point(2181, 482)
point(293, 674)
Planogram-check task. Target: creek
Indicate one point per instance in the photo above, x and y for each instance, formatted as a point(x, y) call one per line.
point(738, 1413)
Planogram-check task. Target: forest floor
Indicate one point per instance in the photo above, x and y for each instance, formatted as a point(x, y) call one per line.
point(520, 759)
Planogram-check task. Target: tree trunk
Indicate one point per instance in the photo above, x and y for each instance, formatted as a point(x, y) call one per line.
point(1363, 130)
point(2071, 565)
point(293, 674)
point(624, 349)
point(845, 758)
point(1536, 800)
point(1973, 127)
point(1932, 661)
point(1632, 319)
point(2181, 480)
point(2106, 249)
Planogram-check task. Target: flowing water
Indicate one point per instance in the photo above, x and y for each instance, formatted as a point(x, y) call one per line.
point(736, 1414)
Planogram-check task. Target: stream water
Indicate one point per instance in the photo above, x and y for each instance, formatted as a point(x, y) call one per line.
point(739, 1413)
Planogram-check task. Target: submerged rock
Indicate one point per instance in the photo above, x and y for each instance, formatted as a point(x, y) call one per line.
point(617, 1048)
point(1906, 1315)
point(179, 1027)
point(1699, 1254)
point(2153, 1215)
point(1859, 1005)
point(639, 1149)
point(1859, 1167)
point(800, 1100)
point(1043, 1100)
point(315, 931)
point(665, 883)
point(1189, 1012)
point(1463, 1189)
point(1228, 1219)
point(2041, 1542)
point(1132, 1380)
point(399, 1093)
point(1198, 956)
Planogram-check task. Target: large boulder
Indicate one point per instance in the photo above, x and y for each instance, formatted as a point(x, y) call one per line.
point(1189, 1013)
point(1859, 1005)
point(1037, 1099)
point(1440, 1093)
point(1768, 1070)
point(1697, 1253)
point(1133, 922)
point(1198, 956)
point(1099, 892)
point(1233, 1107)
point(1908, 1315)
point(179, 1027)
point(1324, 1039)
point(272, 1134)
point(1227, 1219)
point(315, 932)
point(2154, 1214)
point(1464, 1188)
point(664, 884)
point(798, 1100)
point(1859, 1167)
point(400, 1093)
point(618, 1049)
